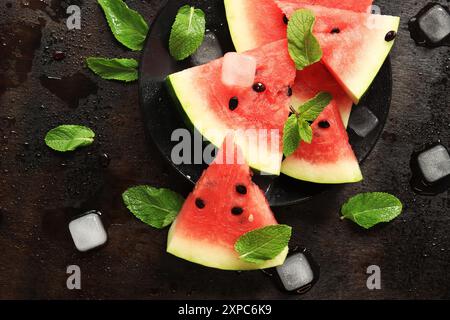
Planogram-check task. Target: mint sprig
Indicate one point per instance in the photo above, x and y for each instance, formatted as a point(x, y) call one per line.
point(298, 127)
point(155, 207)
point(188, 32)
point(114, 69)
point(303, 46)
point(263, 244)
point(127, 25)
point(66, 138)
point(370, 209)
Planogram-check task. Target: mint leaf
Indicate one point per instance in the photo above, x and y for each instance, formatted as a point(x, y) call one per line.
point(305, 131)
point(263, 244)
point(291, 137)
point(188, 32)
point(369, 209)
point(127, 25)
point(303, 46)
point(69, 137)
point(114, 69)
point(312, 109)
point(297, 128)
point(155, 207)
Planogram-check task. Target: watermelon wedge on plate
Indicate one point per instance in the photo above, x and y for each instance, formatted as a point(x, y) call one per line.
point(329, 159)
point(315, 79)
point(354, 43)
point(224, 205)
point(215, 109)
point(256, 23)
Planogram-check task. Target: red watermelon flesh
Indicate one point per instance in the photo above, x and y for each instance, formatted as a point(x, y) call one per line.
point(206, 102)
point(355, 53)
point(315, 79)
point(206, 234)
point(329, 159)
point(254, 24)
point(352, 5)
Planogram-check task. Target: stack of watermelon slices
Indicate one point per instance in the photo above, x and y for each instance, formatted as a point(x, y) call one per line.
point(354, 45)
point(225, 203)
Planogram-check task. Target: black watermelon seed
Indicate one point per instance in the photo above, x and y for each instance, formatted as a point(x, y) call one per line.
point(324, 124)
point(199, 203)
point(259, 87)
point(233, 103)
point(391, 35)
point(289, 92)
point(285, 19)
point(241, 189)
point(237, 211)
point(335, 30)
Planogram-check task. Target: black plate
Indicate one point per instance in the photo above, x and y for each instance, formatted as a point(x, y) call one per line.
point(161, 117)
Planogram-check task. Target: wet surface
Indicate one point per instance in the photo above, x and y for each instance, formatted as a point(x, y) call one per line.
point(40, 190)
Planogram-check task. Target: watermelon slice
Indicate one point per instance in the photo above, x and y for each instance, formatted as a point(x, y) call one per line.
point(355, 53)
point(214, 108)
point(254, 26)
point(353, 56)
point(207, 226)
point(316, 78)
point(329, 159)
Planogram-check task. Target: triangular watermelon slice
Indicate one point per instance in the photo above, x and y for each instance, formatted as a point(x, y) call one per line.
point(354, 45)
point(354, 55)
point(329, 159)
point(315, 79)
point(224, 205)
point(206, 102)
point(256, 23)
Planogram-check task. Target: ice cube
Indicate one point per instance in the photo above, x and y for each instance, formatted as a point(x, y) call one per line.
point(434, 164)
point(238, 70)
point(363, 121)
point(435, 23)
point(208, 51)
point(87, 231)
point(296, 272)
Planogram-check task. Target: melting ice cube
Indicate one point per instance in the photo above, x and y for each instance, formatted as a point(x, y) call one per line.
point(434, 164)
point(87, 231)
point(363, 121)
point(238, 70)
point(208, 51)
point(435, 23)
point(296, 272)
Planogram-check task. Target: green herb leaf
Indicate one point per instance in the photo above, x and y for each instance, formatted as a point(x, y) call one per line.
point(303, 46)
point(156, 207)
point(188, 32)
point(297, 128)
point(369, 209)
point(69, 137)
point(305, 131)
point(263, 244)
point(291, 137)
point(312, 109)
point(127, 25)
point(114, 69)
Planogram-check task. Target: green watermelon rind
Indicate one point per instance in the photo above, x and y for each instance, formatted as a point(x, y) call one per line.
point(240, 33)
point(196, 115)
point(215, 256)
point(343, 171)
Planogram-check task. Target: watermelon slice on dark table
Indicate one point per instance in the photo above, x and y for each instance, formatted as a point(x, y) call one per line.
point(215, 109)
point(224, 205)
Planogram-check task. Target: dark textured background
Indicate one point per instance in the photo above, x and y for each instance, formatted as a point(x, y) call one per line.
point(41, 190)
